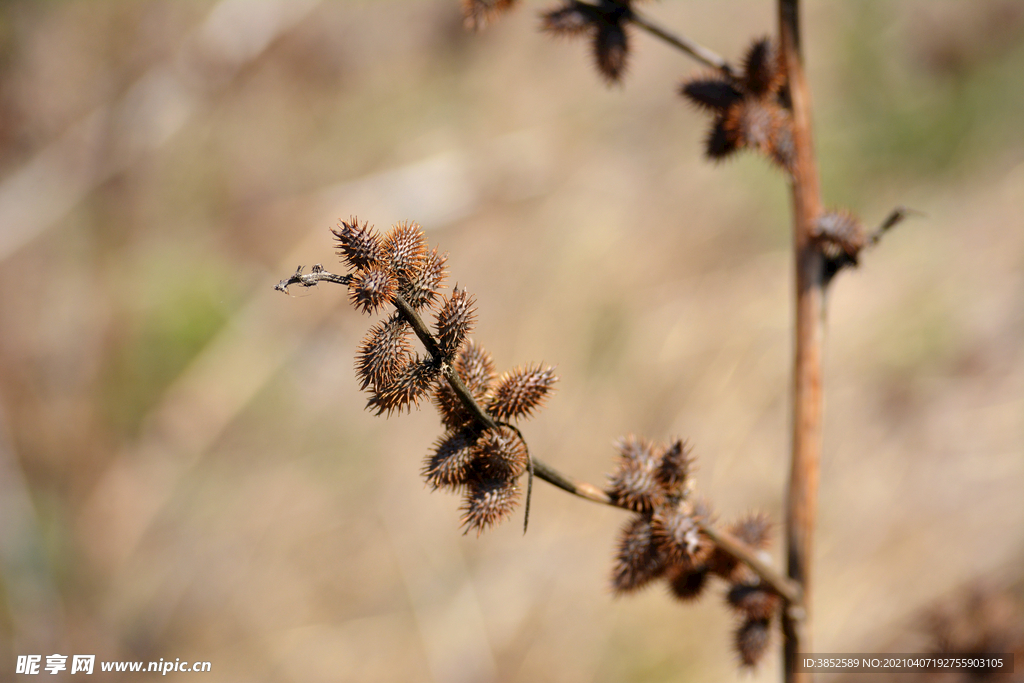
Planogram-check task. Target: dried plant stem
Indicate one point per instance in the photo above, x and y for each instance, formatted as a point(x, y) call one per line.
point(699, 52)
point(801, 499)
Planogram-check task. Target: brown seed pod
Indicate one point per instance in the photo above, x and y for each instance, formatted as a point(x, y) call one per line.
point(637, 561)
point(719, 143)
point(405, 248)
point(499, 454)
point(476, 368)
point(383, 352)
point(611, 49)
point(753, 600)
point(711, 93)
point(358, 246)
point(450, 464)
point(454, 321)
point(519, 392)
point(477, 14)
point(679, 539)
point(687, 585)
point(634, 483)
point(406, 388)
point(488, 502)
point(840, 232)
point(751, 640)
point(571, 19)
point(763, 72)
point(420, 289)
point(674, 467)
point(371, 288)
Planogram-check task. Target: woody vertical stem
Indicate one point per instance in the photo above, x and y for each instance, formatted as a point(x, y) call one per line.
point(802, 497)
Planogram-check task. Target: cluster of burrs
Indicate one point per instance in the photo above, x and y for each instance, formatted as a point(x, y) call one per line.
point(750, 110)
point(482, 453)
point(664, 539)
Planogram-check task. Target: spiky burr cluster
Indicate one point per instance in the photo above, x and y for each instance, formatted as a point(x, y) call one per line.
point(749, 111)
point(481, 454)
point(663, 539)
point(603, 23)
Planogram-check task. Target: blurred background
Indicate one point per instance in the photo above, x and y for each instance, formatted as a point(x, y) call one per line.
point(186, 469)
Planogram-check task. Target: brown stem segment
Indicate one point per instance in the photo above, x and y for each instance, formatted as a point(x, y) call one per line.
point(695, 50)
point(801, 499)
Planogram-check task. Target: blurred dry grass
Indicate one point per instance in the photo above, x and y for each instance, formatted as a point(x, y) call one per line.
point(185, 466)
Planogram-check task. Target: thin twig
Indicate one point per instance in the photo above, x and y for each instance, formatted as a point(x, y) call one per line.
point(315, 276)
point(894, 218)
point(742, 552)
point(699, 52)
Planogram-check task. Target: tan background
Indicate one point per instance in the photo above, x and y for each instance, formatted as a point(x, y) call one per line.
point(185, 465)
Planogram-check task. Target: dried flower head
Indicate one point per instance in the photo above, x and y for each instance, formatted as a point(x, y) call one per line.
point(840, 233)
point(499, 454)
point(371, 288)
point(454, 321)
point(405, 248)
point(679, 539)
point(634, 484)
point(674, 467)
point(687, 584)
point(605, 23)
point(383, 352)
point(420, 289)
point(749, 111)
point(358, 245)
point(638, 561)
point(450, 464)
point(753, 600)
point(488, 502)
point(521, 391)
point(406, 388)
point(751, 640)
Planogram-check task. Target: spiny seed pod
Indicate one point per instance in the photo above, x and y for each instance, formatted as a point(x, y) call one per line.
point(840, 232)
point(500, 454)
point(762, 68)
point(751, 640)
point(719, 143)
point(477, 14)
point(674, 467)
point(420, 289)
point(409, 384)
point(476, 368)
point(634, 484)
point(571, 19)
point(454, 321)
point(753, 600)
point(611, 49)
point(637, 561)
point(519, 392)
point(488, 502)
point(383, 352)
point(754, 529)
point(711, 93)
point(404, 248)
point(679, 539)
point(687, 584)
point(371, 288)
point(358, 246)
point(449, 465)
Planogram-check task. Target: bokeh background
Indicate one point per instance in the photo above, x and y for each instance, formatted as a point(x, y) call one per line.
point(186, 469)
